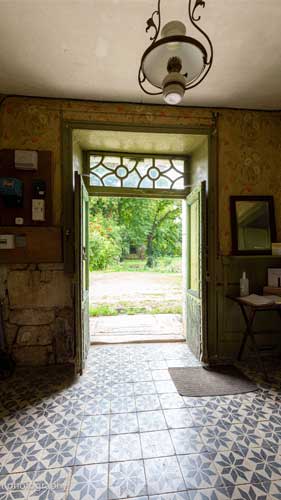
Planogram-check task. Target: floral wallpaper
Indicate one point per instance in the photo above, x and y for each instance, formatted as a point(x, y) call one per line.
point(249, 154)
point(249, 143)
point(33, 124)
point(199, 164)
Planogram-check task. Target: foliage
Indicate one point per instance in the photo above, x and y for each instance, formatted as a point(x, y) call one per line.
point(123, 308)
point(118, 223)
point(104, 243)
point(103, 310)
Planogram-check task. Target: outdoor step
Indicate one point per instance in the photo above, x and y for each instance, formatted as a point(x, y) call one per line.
point(131, 339)
point(136, 328)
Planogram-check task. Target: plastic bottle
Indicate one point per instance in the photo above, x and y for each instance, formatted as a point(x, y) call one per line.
point(244, 285)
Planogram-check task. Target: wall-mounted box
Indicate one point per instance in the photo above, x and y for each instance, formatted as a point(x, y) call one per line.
point(34, 183)
point(26, 160)
point(7, 241)
point(32, 245)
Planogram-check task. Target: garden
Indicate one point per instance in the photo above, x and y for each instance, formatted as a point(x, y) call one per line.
point(135, 247)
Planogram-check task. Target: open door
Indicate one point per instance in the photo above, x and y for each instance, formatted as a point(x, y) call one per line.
point(81, 273)
point(196, 290)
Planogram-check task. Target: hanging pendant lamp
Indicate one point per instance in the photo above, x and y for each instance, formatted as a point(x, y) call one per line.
point(174, 62)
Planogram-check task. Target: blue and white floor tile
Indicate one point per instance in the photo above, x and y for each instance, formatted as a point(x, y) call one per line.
point(156, 444)
point(187, 440)
point(199, 470)
point(50, 484)
point(125, 447)
point(122, 431)
point(95, 425)
point(126, 479)
point(147, 402)
point(183, 495)
point(92, 450)
point(88, 482)
point(123, 423)
point(151, 421)
point(163, 475)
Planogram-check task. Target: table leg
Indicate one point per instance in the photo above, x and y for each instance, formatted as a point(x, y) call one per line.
point(249, 321)
point(249, 333)
point(279, 314)
point(261, 363)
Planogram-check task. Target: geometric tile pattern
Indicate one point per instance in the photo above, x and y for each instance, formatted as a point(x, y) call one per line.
point(121, 431)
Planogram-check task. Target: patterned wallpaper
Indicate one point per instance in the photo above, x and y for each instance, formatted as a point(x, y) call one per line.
point(249, 143)
point(249, 155)
point(199, 164)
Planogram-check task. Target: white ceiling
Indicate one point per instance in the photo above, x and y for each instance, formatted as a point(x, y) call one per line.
point(90, 49)
point(137, 142)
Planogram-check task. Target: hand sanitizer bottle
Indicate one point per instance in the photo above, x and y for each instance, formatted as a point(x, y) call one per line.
point(244, 285)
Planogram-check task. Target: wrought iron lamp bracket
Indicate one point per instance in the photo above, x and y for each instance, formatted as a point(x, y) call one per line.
point(194, 20)
point(154, 22)
point(198, 3)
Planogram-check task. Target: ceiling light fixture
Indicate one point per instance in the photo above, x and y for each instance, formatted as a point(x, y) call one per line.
point(174, 62)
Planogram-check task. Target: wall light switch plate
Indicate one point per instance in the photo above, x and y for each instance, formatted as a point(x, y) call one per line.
point(19, 221)
point(38, 210)
point(20, 240)
point(7, 241)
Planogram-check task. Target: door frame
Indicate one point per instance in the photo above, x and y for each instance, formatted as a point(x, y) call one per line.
point(81, 210)
point(195, 299)
point(68, 219)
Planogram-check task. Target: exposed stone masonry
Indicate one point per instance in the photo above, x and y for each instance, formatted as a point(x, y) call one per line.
point(38, 313)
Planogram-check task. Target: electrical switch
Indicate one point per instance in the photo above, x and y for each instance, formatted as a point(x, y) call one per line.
point(38, 210)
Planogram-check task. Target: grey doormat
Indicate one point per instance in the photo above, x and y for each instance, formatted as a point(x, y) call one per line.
point(217, 381)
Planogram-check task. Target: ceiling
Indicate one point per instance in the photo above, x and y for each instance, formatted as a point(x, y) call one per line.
point(90, 49)
point(137, 142)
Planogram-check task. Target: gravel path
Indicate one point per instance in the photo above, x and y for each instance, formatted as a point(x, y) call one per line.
point(135, 288)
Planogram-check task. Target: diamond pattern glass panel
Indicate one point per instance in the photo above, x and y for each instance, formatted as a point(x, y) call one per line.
point(138, 172)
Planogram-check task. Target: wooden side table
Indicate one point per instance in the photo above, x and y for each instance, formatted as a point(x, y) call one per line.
point(249, 312)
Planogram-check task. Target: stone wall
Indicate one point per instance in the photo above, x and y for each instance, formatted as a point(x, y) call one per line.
point(38, 313)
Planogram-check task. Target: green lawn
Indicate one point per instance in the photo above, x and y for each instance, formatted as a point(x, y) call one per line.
point(123, 308)
point(162, 265)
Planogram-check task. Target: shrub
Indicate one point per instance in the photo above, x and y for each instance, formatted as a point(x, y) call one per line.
point(104, 244)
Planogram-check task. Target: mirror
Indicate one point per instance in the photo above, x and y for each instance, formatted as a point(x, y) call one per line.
point(252, 224)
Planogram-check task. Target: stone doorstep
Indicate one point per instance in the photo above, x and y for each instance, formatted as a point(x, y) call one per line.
point(97, 340)
point(136, 329)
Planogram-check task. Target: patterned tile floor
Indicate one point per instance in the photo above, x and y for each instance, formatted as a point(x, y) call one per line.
point(122, 431)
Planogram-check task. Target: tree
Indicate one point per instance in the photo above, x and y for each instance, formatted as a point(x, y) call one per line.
point(163, 214)
point(152, 223)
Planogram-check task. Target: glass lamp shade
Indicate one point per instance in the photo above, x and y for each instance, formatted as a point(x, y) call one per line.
point(191, 53)
point(173, 94)
point(173, 88)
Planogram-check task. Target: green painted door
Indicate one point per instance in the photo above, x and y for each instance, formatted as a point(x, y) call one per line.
point(196, 293)
point(81, 273)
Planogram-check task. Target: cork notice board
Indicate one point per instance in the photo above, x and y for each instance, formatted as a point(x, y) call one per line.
point(44, 173)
